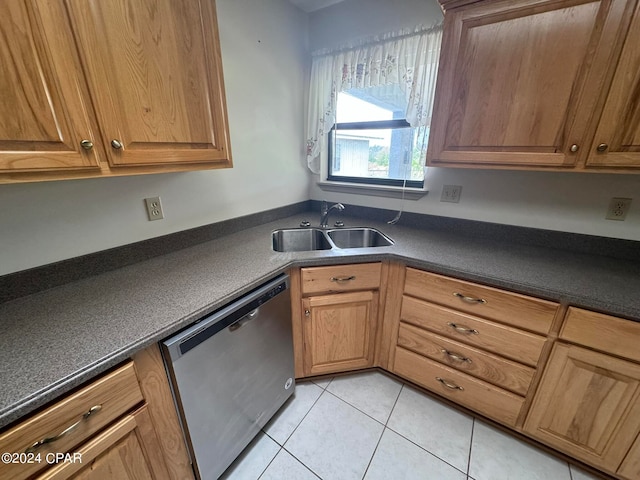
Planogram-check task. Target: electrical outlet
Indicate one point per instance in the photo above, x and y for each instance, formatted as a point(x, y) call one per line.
point(154, 208)
point(618, 208)
point(451, 193)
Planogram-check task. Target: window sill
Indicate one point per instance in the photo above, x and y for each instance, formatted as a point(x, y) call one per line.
point(375, 190)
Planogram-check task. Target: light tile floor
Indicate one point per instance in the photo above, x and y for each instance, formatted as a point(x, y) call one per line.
point(370, 426)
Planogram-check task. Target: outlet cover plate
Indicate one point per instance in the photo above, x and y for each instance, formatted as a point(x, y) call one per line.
point(618, 208)
point(154, 208)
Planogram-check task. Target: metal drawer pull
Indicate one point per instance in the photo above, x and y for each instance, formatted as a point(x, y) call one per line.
point(343, 279)
point(452, 386)
point(464, 298)
point(461, 329)
point(456, 356)
point(69, 429)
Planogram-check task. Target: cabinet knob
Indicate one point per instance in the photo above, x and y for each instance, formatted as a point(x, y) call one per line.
point(574, 148)
point(86, 144)
point(307, 313)
point(116, 144)
point(602, 147)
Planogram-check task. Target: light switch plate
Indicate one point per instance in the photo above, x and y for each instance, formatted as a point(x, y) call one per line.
point(451, 193)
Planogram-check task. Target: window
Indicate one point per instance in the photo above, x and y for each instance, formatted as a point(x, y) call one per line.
point(370, 108)
point(371, 141)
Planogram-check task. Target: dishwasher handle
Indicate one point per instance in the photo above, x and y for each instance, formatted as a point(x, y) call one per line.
point(244, 320)
point(233, 313)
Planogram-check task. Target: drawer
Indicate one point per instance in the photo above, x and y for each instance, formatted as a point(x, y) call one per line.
point(492, 368)
point(506, 341)
point(506, 307)
point(114, 394)
point(475, 394)
point(341, 278)
point(602, 332)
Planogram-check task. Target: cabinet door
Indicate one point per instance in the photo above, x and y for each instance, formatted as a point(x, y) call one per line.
point(587, 405)
point(154, 71)
point(339, 331)
point(618, 133)
point(128, 450)
point(44, 109)
point(519, 81)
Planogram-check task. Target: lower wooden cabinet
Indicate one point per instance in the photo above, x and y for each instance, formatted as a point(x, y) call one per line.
point(335, 317)
point(129, 450)
point(339, 331)
point(588, 406)
point(121, 426)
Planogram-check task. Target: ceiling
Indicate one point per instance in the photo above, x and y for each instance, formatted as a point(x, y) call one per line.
point(313, 5)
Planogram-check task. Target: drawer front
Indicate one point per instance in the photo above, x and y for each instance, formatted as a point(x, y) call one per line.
point(341, 278)
point(506, 307)
point(602, 332)
point(497, 370)
point(506, 341)
point(114, 394)
point(475, 394)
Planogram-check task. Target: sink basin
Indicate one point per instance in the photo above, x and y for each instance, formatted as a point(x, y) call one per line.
point(299, 240)
point(358, 238)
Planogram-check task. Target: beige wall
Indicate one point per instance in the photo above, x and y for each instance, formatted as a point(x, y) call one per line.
point(264, 49)
point(572, 202)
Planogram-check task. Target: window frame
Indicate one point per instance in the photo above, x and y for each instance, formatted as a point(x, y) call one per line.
point(372, 125)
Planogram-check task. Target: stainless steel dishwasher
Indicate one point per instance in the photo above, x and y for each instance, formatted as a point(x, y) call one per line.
point(230, 372)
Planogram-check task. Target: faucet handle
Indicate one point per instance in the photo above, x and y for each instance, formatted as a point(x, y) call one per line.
point(339, 224)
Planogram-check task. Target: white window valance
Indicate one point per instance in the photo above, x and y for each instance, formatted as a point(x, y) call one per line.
point(407, 59)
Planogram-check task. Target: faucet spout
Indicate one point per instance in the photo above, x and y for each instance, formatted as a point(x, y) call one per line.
point(324, 218)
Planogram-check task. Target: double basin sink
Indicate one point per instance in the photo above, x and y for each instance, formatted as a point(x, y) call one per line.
point(307, 239)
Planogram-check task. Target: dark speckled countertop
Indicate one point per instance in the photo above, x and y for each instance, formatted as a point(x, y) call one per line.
point(54, 340)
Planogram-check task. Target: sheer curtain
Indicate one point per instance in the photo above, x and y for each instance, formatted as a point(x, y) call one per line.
point(407, 58)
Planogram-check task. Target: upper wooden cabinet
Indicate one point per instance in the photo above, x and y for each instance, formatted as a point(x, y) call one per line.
point(617, 139)
point(110, 87)
point(45, 114)
point(521, 83)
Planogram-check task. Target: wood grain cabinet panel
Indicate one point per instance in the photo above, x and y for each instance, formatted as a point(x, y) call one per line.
point(619, 126)
point(630, 468)
point(341, 278)
point(606, 333)
point(492, 368)
point(113, 395)
point(587, 405)
point(94, 88)
point(339, 331)
point(520, 81)
point(506, 341)
point(154, 70)
point(473, 393)
point(511, 308)
point(126, 451)
point(45, 112)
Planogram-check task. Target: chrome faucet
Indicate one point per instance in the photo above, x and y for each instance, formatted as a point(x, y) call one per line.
point(325, 210)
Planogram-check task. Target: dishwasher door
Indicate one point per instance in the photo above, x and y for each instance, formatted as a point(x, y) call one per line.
point(230, 373)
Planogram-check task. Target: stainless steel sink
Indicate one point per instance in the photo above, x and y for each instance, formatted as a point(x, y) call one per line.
point(358, 238)
point(306, 239)
point(300, 240)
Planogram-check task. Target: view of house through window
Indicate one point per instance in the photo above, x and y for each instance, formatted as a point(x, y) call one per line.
point(372, 142)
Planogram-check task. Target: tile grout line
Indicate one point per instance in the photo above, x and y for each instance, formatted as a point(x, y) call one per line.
point(414, 443)
point(473, 428)
point(303, 464)
point(270, 462)
point(299, 423)
point(383, 430)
